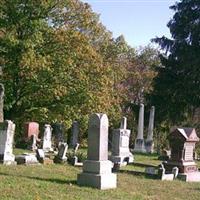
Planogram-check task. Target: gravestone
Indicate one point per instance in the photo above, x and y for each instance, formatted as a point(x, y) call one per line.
point(182, 143)
point(47, 144)
point(7, 131)
point(61, 156)
point(27, 159)
point(42, 158)
point(31, 128)
point(1, 102)
point(139, 142)
point(74, 134)
point(121, 154)
point(31, 134)
point(97, 169)
point(149, 144)
point(58, 133)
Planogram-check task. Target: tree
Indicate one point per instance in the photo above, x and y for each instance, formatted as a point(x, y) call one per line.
point(177, 86)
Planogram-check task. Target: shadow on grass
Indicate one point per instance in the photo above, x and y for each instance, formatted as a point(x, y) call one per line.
point(53, 180)
point(137, 173)
point(145, 154)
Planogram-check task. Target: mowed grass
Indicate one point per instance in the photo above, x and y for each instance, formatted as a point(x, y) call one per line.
point(59, 182)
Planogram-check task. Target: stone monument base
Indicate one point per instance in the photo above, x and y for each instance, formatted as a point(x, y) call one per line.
point(190, 177)
point(97, 174)
point(8, 159)
point(184, 167)
point(149, 146)
point(139, 146)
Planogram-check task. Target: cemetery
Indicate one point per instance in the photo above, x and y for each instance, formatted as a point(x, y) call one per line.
point(85, 115)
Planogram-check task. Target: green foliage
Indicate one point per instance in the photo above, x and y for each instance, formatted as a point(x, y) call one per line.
point(177, 89)
point(61, 64)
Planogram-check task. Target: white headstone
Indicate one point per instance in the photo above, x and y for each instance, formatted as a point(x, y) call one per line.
point(47, 144)
point(7, 131)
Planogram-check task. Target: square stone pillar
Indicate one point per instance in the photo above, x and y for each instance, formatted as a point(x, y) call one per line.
point(139, 142)
point(97, 169)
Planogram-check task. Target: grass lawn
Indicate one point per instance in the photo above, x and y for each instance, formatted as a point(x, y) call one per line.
point(58, 182)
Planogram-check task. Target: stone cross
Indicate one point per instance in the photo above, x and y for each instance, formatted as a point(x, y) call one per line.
point(47, 145)
point(1, 102)
point(97, 168)
point(75, 133)
point(7, 131)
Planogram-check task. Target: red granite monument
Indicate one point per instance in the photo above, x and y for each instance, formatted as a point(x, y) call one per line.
point(182, 143)
point(31, 128)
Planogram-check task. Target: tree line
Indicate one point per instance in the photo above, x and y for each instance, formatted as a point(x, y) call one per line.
point(61, 64)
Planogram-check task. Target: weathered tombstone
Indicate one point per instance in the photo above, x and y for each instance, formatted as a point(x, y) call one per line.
point(182, 142)
point(40, 154)
point(27, 159)
point(58, 133)
point(149, 144)
point(1, 102)
point(121, 154)
point(7, 131)
point(74, 134)
point(33, 142)
point(47, 144)
point(97, 169)
point(62, 150)
point(139, 142)
point(76, 148)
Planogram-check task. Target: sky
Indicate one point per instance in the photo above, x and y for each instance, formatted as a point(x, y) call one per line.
point(138, 20)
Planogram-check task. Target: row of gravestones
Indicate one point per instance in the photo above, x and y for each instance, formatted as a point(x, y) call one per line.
point(97, 169)
point(57, 129)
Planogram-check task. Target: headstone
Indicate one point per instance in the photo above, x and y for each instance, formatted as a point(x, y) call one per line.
point(47, 144)
point(27, 159)
point(76, 148)
point(62, 150)
point(182, 142)
point(139, 142)
point(34, 142)
point(121, 154)
point(40, 154)
point(149, 144)
point(58, 133)
point(75, 162)
point(7, 131)
point(151, 170)
point(163, 176)
point(97, 169)
point(75, 133)
point(31, 128)
point(1, 102)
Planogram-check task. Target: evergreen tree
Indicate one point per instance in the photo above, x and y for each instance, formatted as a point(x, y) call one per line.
point(177, 86)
